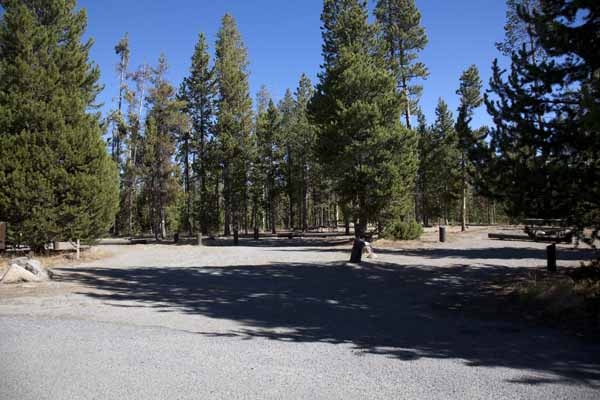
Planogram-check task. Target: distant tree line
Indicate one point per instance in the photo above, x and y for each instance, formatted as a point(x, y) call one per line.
point(353, 150)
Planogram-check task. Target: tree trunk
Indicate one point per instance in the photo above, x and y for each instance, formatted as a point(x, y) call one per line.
point(163, 224)
point(357, 250)
point(304, 200)
point(273, 210)
point(227, 201)
point(406, 95)
point(337, 216)
point(347, 221)
point(217, 201)
point(188, 192)
point(290, 189)
point(245, 211)
point(463, 213)
point(359, 243)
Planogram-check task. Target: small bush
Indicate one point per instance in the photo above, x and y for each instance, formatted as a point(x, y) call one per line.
point(404, 230)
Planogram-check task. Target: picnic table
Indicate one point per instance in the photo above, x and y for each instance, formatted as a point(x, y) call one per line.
point(548, 230)
point(540, 230)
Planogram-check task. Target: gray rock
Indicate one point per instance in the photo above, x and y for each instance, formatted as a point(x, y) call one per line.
point(18, 274)
point(33, 266)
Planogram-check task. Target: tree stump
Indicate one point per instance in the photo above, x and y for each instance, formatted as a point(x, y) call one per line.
point(357, 250)
point(551, 257)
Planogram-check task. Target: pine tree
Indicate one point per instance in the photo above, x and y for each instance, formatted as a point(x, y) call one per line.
point(288, 144)
point(470, 99)
point(199, 94)
point(120, 129)
point(234, 119)
point(256, 177)
point(132, 205)
point(404, 37)
point(424, 146)
point(130, 176)
point(163, 122)
point(520, 33)
point(270, 157)
point(305, 136)
point(368, 154)
point(545, 140)
point(123, 52)
point(57, 181)
point(185, 153)
point(445, 160)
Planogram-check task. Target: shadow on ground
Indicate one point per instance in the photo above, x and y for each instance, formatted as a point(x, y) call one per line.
point(401, 312)
point(496, 253)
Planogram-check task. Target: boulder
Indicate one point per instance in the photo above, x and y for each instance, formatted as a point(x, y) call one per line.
point(18, 274)
point(33, 266)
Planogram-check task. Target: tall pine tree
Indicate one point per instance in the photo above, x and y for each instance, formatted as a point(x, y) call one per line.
point(305, 136)
point(404, 38)
point(163, 122)
point(270, 159)
point(199, 94)
point(368, 154)
point(446, 177)
point(470, 99)
point(57, 181)
point(288, 144)
point(120, 130)
point(545, 140)
point(234, 119)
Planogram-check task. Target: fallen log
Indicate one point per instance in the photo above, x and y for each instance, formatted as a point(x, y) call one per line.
point(505, 236)
point(528, 238)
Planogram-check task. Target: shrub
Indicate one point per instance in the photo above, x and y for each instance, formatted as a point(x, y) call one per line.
point(400, 230)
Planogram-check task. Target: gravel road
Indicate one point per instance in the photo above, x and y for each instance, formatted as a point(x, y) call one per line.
point(290, 319)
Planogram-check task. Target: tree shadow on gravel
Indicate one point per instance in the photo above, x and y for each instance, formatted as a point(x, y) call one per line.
point(401, 312)
point(274, 242)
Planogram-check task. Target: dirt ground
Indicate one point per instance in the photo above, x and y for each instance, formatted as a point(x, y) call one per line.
point(486, 264)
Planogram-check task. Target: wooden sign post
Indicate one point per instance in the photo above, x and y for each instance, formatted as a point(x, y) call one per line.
point(2, 236)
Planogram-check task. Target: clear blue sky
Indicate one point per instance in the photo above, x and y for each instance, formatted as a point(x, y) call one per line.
point(283, 40)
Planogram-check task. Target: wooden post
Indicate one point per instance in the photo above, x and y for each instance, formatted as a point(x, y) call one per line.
point(442, 234)
point(2, 236)
point(551, 257)
point(78, 249)
point(199, 237)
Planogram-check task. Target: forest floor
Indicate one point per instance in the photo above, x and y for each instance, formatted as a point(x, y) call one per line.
point(281, 318)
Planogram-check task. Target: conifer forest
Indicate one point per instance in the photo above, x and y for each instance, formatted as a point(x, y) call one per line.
point(300, 199)
point(351, 151)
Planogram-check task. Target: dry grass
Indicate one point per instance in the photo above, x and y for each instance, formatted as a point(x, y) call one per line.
point(68, 259)
point(570, 298)
point(3, 266)
point(63, 259)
